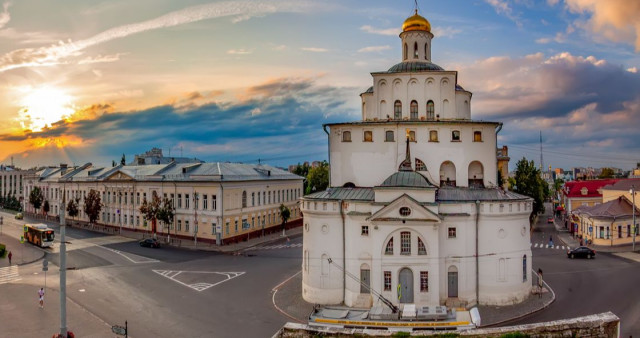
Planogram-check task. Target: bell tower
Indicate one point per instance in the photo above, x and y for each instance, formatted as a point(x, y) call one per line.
point(416, 39)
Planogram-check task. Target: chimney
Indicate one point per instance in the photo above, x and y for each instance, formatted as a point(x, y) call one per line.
point(63, 166)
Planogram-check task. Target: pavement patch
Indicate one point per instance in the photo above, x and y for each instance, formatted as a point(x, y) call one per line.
point(193, 279)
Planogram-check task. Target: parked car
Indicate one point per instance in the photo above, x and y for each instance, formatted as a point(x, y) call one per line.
point(150, 242)
point(581, 251)
point(550, 220)
point(19, 216)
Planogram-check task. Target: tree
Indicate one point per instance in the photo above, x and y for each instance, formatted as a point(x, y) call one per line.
point(318, 178)
point(557, 186)
point(500, 179)
point(606, 173)
point(92, 205)
point(113, 163)
point(166, 211)
point(36, 198)
point(302, 170)
point(151, 209)
point(45, 207)
point(72, 207)
point(123, 161)
point(285, 214)
point(529, 182)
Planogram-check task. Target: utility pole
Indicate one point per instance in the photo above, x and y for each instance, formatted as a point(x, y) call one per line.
point(541, 161)
point(63, 271)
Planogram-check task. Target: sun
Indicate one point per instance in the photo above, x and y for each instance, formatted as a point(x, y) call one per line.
point(43, 106)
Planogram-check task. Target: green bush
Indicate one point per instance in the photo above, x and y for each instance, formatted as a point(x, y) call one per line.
point(3, 251)
point(515, 335)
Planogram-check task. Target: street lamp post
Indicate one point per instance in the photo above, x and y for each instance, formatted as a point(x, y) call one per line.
point(633, 211)
point(120, 208)
point(195, 219)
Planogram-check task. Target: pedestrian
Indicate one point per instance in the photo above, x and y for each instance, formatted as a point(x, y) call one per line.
point(10, 255)
point(581, 243)
point(551, 241)
point(41, 297)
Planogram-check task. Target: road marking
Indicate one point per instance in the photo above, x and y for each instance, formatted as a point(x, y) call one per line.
point(144, 259)
point(275, 246)
point(9, 274)
point(170, 274)
point(536, 245)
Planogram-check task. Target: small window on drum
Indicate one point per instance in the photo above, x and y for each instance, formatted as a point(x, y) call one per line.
point(455, 136)
point(388, 136)
point(368, 136)
point(405, 211)
point(477, 136)
point(346, 136)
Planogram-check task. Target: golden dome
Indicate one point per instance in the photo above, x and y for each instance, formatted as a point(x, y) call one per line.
point(416, 23)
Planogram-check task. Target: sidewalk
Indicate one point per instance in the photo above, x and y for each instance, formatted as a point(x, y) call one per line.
point(566, 237)
point(22, 316)
point(22, 253)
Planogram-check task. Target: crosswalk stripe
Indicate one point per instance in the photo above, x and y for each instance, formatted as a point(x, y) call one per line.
point(9, 274)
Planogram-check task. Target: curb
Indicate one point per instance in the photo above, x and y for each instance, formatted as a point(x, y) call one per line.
point(553, 299)
point(273, 297)
point(31, 261)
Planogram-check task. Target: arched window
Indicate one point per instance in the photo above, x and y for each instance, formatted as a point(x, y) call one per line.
point(415, 50)
point(420, 166)
point(397, 110)
point(524, 268)
point(388, 136)
point(455, 136)
point(404, 54)
point(476, 175)
point(422, 250)
point(349, 185)
point(413, 109)
point(346, 136)
point(368, 136)
point(430, 111)
point(244, 199)
point(405, 243)
point(447, 174)
point(426, 48)
point(388, 249)
point(324, 265)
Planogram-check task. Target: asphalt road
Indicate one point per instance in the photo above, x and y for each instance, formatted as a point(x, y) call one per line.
point(583, 286)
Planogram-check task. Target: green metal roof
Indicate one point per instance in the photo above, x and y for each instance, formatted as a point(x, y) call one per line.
point(409, 179)
point(351, 194)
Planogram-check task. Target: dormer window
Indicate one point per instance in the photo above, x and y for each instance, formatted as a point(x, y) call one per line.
point(584, 191)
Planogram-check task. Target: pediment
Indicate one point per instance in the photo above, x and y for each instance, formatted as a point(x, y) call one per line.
point(397, 209)
point(119, 176)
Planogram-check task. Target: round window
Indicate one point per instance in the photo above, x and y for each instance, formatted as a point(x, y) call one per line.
point(404, 211)
point(325, 229)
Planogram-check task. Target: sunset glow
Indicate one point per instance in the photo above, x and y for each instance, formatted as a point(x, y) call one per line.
point(43, 106)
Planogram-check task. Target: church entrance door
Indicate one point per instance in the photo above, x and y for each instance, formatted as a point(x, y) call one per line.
point(453, 284)
point(406, 286)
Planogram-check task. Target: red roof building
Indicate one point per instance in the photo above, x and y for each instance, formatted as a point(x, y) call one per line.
point(587, 193)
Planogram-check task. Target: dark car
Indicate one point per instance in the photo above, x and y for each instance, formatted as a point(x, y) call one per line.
point(581, 251)
point(150, 242)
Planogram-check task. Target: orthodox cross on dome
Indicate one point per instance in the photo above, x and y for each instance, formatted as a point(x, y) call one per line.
point(406, 164)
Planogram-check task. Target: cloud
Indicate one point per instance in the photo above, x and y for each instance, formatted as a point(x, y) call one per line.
point(614, 20)
point(573, 99)
point(445, 31)
point(266, 122)
point(384, 31)
point(5, 17)
point(314, 49)
point(373, 49)
point(502, 7)
point(101, 59)
point(239, 51)
point(53, 54)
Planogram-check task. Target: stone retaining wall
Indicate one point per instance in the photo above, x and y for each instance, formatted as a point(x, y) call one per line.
point(599, 325)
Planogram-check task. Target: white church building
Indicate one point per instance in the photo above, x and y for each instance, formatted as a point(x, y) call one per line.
point(413, 211)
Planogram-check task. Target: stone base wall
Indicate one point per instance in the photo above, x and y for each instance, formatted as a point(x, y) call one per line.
point(605, 325)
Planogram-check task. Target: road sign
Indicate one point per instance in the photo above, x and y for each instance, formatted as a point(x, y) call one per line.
point(45, 268)
point(21, 239)
point(590, 229)
point(25, 229)
point(119, 330)
point(45, 263)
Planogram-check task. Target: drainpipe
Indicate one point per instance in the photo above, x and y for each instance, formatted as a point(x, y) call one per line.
point(344, 257)
point(324, 127)
point(611, 232)
point(498, 129)
point(219, 238)
point(477, 258)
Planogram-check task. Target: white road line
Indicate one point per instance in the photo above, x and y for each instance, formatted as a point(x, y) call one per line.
point(198, 286)
point(536, 245)
point(146, 260)
point(9, 274)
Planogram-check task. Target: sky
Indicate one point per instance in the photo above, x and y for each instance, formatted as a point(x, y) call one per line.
point(243, 81)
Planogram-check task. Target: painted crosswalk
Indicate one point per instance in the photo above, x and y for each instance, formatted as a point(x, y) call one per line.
point(198, 286)
point(279, 246)
point(548, 246)
point(9, 274)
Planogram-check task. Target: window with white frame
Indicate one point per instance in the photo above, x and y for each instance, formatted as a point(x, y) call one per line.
point(364, 230)
point(422, 250)
point(424, 281)
point(214, 203)
point(388, 250)
point(387, 281)
point(452, 232)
